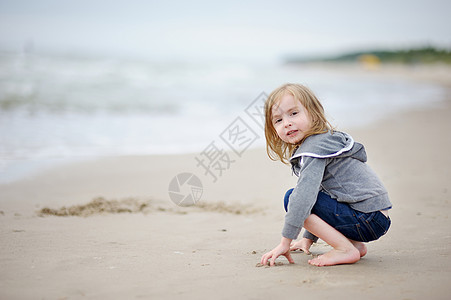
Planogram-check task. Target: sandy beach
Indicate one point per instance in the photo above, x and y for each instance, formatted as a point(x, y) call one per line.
point(133, 242)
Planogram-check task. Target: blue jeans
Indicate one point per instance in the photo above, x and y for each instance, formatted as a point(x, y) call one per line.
point(353, 224)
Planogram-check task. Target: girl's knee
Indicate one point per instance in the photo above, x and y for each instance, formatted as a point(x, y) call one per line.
point(311, 220)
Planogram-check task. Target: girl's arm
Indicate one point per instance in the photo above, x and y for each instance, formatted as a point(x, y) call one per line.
point(301, 202)
point(304, 195)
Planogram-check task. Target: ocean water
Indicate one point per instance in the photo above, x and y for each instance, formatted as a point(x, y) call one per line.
point(66, 108)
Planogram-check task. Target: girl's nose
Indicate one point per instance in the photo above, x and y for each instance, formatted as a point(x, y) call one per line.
point(287, 123)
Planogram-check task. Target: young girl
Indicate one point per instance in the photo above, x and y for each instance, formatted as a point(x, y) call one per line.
point(338, 198)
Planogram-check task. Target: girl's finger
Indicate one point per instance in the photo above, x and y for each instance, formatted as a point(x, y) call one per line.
point(290, 259)
point(265, 258)
point(273, 260)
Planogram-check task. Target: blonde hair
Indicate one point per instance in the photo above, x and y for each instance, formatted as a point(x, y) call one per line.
point(275, 147)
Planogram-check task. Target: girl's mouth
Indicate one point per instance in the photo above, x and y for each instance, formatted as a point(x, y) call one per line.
point(291, 132)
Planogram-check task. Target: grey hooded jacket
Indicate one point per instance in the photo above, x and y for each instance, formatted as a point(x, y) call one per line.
point(333, 163)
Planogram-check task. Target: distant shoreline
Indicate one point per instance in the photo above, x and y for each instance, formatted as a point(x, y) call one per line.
point(410, 56)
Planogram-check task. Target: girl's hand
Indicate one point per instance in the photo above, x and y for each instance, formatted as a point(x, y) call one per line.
point(304, 244)
point(282, 249)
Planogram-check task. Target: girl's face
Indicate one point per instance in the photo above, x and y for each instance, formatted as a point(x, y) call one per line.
point(290, 119)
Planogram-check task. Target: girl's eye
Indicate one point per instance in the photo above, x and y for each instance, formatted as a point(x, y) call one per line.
point(294, 113)
point(277, 121)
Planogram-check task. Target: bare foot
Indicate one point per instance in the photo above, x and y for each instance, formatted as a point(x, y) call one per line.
point(361, 247)
point(336, 257)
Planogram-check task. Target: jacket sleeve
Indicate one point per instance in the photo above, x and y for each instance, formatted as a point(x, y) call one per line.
point(304, 196)
point(310, 236)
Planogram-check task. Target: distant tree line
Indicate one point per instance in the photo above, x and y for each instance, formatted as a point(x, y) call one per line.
point(408, 56)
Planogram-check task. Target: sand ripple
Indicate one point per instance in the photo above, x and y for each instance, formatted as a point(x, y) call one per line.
point(98, 206)
point(101, 206)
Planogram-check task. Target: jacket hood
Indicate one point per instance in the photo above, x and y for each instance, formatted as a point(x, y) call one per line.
point(330, 145)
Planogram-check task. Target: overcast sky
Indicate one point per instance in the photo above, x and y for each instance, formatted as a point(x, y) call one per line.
point(261, 30)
